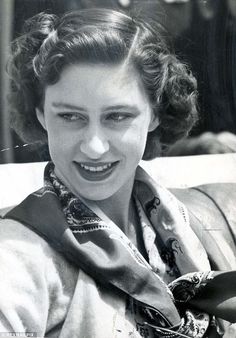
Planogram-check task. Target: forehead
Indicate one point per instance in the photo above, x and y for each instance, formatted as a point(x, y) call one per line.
point(97, 82)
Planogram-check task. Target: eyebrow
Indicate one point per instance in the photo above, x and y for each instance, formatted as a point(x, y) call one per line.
point(67, 106)
point(120, 107)
point(105, 109)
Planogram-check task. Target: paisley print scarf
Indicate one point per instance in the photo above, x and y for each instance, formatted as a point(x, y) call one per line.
point(88, 238)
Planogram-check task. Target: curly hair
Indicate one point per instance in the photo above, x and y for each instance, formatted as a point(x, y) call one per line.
point(49, 43)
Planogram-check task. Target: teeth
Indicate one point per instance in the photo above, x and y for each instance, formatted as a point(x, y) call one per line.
point(95, 169)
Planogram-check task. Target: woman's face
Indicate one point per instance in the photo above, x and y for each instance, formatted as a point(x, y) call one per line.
point(97, 118)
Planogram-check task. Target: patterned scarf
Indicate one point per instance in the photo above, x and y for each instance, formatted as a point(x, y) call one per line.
point(88, 238)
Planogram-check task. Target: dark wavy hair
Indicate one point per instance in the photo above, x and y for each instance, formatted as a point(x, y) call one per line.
point(49, 43)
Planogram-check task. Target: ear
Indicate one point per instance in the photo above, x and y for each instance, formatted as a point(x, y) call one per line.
point(41, 117)
point(154, 123)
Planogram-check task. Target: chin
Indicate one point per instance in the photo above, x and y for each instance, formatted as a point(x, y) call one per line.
point(96, 196)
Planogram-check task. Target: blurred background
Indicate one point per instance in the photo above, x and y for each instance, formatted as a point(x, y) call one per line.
point(203, 33)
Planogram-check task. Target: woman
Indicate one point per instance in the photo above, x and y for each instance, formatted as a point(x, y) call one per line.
point(95, 248)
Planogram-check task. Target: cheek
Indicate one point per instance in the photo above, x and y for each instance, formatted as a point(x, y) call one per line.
point(61, 146)
point(134, 141)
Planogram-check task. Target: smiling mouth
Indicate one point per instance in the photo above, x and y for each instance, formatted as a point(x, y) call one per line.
point(100, 168)
point(96, 171)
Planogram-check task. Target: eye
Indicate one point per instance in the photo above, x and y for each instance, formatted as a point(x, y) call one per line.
point(71, 116)
point(118, 117)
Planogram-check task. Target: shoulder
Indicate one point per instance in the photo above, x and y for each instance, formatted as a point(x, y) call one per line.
point(36, 282)
point(23, 248)
point(17, 238)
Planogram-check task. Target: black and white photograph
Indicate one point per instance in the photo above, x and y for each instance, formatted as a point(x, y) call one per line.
point(118, 168)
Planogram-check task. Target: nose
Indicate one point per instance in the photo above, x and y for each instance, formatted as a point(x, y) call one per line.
point(94, 146)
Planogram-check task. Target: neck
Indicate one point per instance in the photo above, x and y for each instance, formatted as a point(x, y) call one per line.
point(118, 206)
